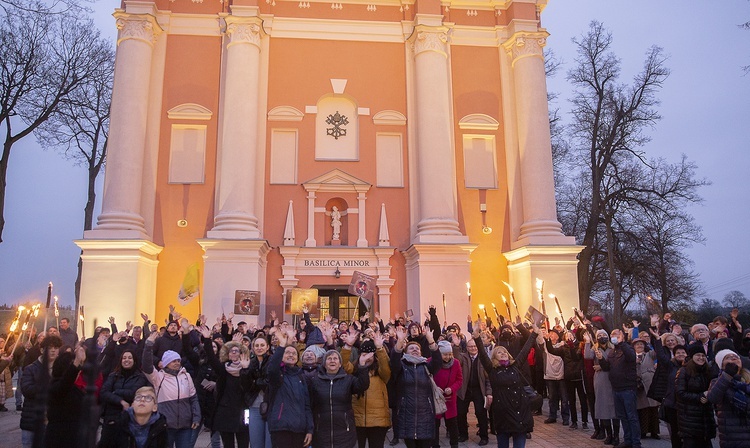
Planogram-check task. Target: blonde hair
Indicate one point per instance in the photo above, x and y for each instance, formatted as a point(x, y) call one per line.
point(224, 352)
point(501, 349)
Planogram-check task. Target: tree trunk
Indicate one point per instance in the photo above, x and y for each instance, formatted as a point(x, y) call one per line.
point(88, 222)
point(3, 179)
point(613, 282)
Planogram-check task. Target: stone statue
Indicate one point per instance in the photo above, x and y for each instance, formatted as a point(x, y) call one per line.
point(336, 222)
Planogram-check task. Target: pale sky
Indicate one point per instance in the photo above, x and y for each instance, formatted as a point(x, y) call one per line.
point(705, 108)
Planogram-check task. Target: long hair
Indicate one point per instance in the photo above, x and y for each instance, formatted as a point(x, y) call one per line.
point(136, 363)
point(501, 349)
point(224, 352)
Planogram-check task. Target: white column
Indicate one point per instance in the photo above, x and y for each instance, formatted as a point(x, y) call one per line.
point(362, 238)
point(121, 202)
point(236, 217)
point(540, 225)
point(434, 150)
point(310, 241)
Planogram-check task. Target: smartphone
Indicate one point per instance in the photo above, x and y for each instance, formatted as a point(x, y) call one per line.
point(246, 417)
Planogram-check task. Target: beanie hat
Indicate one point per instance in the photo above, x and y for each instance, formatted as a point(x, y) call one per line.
point(721, 355)
point(315, 350)
point(723, 344)
point(694, 348)
point(315, 337)
point(367, 347)
point(413, 324)
point(445, 347)
point(169, 356)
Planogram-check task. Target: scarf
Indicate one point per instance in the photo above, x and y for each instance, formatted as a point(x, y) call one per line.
point(414, 359)
point(233, 368)
point(449, 364)
point(171, 371)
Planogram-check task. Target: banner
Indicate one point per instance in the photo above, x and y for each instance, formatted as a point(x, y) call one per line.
point(190, 285)
point(247, 302)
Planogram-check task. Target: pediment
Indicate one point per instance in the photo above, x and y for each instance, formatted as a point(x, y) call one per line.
point(336, 181)
point(189, 111)
point(389, 117)
point(479, 122)
point(285, 113)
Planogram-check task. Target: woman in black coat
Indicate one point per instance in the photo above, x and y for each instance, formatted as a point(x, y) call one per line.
point(511, 410)
point(414, 419)
point(669, 404)
point(65, 401)
point(331, 393)
point(694, 412)
point(118, 392)
point(289, 416)
point(228, 416)
point(730, 392)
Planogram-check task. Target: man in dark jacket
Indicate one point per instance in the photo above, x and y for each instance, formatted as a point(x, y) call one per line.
point(170, 341)
point(68, 336)
point(475, 389)
point(621, 364)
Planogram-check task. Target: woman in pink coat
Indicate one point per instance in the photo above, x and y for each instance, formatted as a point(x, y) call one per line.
point(446, 372)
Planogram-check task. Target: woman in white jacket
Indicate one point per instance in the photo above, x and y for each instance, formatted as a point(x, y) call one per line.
point(175, 394)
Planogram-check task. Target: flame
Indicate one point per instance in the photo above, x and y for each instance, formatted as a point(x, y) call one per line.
point(539, 284)
point(504, 299)
point(481, 306)
point(468, 288)
point(493, 306)
point(510, 288)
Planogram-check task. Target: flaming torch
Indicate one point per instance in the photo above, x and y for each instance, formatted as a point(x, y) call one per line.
point(559, 309)
point(497, 315)
point(468, 290)
point(505, 301)
point(481, 307)
point(445, 315)
point(512, 297)
point(83, 327)
point(57, 314)
point(540, 293)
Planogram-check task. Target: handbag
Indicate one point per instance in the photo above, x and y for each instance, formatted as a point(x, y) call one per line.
point(438, 399)
point(535, 400)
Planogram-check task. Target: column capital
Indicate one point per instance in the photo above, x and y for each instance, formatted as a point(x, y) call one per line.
point(142, 27)
point(430, 38)
point(524, 44)
point(244, 30)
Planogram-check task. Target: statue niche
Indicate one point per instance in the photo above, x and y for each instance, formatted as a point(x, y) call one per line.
point(336, 228)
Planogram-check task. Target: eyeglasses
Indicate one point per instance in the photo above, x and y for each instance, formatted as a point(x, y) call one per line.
point(234, 350)
point(146, 398)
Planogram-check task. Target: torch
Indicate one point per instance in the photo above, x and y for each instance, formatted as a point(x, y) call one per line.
point(513, 297)
point(445, 315)
point(497, 315)
point(57, 314)
point(14, 326)
point(468, 290)
point(505, 301)
point(49, 299)
point(540, 293)
point(481, 307)
point(83, 327)
point(559, 309)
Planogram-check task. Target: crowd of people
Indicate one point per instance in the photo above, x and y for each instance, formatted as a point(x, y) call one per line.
point(340, 384)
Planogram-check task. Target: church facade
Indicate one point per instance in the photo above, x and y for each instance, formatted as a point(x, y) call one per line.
point(283, 144)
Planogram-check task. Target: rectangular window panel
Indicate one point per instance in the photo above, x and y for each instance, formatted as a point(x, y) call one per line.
point(480, 162)
point(389, 160)
point(283, 156)
point(187, 154)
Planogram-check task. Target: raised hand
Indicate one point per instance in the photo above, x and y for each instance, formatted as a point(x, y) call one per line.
point(171, 309)
point(328, 318)
point(430, 337)
point(636, 324)
point(365, 359)
point(378, 339)
point(587, 337)
point(654, 320)
point(244, 360)
point(144, 316)
point(205, 332)
point(237, 337)
point(273, 314)
point(80, 356)
point(653, 332)
point(230, 316)
point(128, 326)
point(111, 320)
point(455, 340)
point(201, 319)
point(400, 333)
point(349, 338)
point(283, 338)
point(152, 337)
point(377, 316)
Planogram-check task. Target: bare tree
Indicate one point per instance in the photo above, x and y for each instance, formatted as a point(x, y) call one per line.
point(43, 59)
point(80, 128)
point(608, 126)
point(736, 299)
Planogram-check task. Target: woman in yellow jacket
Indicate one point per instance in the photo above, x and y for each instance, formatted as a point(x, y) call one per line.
point(372, 416)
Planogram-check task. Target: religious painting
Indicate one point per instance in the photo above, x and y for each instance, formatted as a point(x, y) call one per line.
point(297, 298)
point(247, 302)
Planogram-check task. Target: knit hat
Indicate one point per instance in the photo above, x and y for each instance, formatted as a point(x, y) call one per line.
point(316, 350)
point(719, 358)
point(723, 344)
point(367, 347)
point(694, 348)
point(445, 347)
point(315, 337)
point(413, 324)
point(169, 356)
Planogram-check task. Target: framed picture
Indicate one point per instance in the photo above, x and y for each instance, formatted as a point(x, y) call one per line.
point(247, 302)
point(297, 298)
